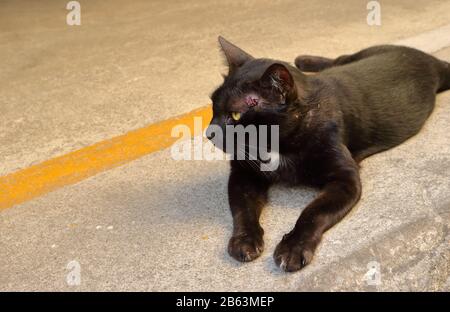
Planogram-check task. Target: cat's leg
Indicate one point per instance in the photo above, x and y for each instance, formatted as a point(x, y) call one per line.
point(340, 193)
point(247, 194)
point(310, 63)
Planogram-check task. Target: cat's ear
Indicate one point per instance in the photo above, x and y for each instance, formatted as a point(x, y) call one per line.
point(235, 56)
point(277, 76)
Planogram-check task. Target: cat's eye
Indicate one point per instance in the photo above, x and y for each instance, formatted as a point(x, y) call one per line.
point(236, 116)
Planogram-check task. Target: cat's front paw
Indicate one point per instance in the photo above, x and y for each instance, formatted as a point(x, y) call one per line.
point(294, 254)
point(246, 247)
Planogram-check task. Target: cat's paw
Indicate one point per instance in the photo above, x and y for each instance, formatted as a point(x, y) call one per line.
point(245, 247)
point(292, 255)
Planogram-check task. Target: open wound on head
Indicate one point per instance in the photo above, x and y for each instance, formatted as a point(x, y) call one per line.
point(244, 104)
point(251, 100)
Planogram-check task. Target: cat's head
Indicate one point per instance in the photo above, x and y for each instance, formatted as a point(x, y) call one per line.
point(254, 92)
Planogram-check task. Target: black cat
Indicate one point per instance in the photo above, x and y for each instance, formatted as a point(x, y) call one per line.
point(357, 105)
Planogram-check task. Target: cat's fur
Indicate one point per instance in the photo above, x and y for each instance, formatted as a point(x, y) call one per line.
point(355, 106)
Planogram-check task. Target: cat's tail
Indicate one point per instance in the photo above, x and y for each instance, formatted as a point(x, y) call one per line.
point(309, 63)
point(445, 77)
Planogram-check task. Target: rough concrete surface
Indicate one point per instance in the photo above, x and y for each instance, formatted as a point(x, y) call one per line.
point(158, 224)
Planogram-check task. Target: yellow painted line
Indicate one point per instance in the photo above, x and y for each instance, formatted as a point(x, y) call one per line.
point(52, 174)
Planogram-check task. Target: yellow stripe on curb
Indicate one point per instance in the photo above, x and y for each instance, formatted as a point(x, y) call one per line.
point(45, 177)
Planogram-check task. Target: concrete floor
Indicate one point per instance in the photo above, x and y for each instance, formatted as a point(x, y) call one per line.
point(158, 224)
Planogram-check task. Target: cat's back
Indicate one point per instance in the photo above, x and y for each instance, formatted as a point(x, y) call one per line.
point(384, 98)
point(386, 71)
